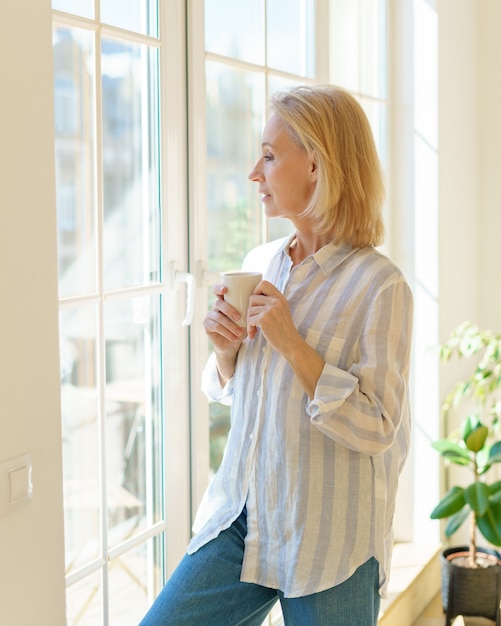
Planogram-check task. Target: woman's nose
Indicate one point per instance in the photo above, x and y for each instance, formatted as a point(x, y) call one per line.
point(255, 174)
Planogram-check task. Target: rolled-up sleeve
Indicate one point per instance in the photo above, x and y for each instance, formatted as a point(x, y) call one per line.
point(361, 407)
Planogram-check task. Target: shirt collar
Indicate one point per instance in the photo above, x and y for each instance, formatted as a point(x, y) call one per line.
point(327, 258)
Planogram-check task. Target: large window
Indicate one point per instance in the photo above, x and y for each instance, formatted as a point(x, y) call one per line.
point(113, 299)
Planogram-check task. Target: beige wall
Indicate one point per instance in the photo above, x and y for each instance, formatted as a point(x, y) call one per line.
point(458, 157)
point(489, 163)
point(31, 539)
point(470, 178)
point(470, 162)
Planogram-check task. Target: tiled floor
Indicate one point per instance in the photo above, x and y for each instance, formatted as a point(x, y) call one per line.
point(434, 616)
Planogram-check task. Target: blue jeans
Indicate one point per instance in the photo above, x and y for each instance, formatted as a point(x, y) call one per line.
point(205, 590)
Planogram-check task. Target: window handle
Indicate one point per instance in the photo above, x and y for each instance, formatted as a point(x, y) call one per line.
point(205, 277)
point(189, 280)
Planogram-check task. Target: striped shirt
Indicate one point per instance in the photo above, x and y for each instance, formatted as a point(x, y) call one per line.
point(318, 476)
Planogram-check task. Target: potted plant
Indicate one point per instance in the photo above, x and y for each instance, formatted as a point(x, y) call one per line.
point(471, 576)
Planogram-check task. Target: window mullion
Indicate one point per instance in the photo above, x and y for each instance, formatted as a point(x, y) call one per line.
point(101, 339)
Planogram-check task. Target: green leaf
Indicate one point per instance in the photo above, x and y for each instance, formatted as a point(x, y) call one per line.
point(470, 423)
point(495, 487)
point(451, 503)
point(452, 451)
point(477, 496)
point(457, 520)
point(490, 524)
point(476, 438)
point(495, 453)
point(483, 463)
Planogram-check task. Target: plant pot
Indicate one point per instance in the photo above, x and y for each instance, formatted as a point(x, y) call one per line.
point(467, 591)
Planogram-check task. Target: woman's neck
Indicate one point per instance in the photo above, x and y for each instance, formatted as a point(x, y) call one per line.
point(303, 246)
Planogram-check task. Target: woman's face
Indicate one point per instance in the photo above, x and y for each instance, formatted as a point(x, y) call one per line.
point(284, 172)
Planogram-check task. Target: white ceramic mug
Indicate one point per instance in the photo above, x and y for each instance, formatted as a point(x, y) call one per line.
point(240, 286)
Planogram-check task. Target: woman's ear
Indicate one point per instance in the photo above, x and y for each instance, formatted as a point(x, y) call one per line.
point(313, 168)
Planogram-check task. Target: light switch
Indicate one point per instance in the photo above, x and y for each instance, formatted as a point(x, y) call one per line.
point(19, 485)
point(15, 483)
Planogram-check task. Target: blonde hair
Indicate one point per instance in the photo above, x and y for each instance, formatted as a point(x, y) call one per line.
point(333, 129)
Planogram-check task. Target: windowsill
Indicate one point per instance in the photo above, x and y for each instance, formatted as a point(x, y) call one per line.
point(414, 582)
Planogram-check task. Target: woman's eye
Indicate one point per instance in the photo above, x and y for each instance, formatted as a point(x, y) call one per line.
point(267, 157)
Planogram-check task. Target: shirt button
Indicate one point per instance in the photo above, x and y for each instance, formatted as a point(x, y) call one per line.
point(251, 436)
point(259, 392)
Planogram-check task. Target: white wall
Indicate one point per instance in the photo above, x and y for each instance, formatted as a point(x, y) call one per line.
point(470, 162)
point(458, 154)
point(31, 539)
point(470, 178)
point(489, 163)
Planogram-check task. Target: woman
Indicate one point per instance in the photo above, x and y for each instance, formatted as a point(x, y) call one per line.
point(301, 508)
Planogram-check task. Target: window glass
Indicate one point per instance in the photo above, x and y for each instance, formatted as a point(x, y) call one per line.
point(235, 29)
point(129, 600)
point(84, 8)
point(133, 416)
point(85, 599)
point(425, 72)
point(344, 58)
point(80, 432)
point(291, 36)
point(235, 118)
point(140, 16)
point(279, 83)
point(373, 48)
point(358, 46)
point(131, 234)
point(74, 124)
point(108, 203)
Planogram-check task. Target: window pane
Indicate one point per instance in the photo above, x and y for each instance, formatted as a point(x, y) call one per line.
point(84, 602)
point(291, 36)
point(344, 52)
point(131, 234)
point(279, 83)
point(373, 48)
point(133, 419)
point(425, 71)
point(245, 38)
point(135, 578)
point(80, 430)
point(358, 46)
point(235, 117)
point(140, 16)
point(84, 8)
point(74, 89)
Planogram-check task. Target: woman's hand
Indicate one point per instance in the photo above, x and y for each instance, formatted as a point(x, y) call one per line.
point(225, 334)
point(270, 312)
